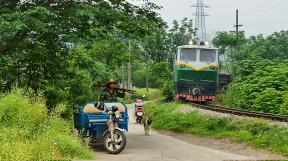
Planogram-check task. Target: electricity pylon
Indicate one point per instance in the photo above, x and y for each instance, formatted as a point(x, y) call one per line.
point(200, 24)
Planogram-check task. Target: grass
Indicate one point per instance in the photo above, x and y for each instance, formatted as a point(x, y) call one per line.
point(151, 95)
point(257, 132)
point(29, 133)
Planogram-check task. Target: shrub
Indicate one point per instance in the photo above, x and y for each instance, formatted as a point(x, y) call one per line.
point(268, 100)
point(28, 132)
point(261, 89)
point(168, 91)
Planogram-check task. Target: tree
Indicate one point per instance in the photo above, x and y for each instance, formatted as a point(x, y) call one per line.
point(161, 46)
point(61, 46)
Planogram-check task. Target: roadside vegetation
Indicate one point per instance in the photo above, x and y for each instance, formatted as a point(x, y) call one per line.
point(257, 132)
point(151, 95)
point(29, 133)
point(63, 48)
point(259, 66)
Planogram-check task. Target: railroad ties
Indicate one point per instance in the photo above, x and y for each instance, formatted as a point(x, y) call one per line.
point(239, 112)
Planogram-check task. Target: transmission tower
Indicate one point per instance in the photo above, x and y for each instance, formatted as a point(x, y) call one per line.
point(200, 20)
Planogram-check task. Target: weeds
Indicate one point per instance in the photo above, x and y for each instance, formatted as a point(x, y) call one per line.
point(256, 131)
point(28, 132)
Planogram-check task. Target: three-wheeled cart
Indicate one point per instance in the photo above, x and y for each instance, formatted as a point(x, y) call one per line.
point(105, 123)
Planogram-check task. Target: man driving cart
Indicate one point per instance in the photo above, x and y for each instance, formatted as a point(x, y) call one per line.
point(111, 93)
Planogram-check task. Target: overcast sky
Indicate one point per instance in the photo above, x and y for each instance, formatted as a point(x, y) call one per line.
point(257, 16)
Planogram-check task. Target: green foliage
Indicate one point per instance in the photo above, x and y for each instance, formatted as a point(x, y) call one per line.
point(256, 131)
point(139, 75)
point(224, 40)
point(159, 73)
point(261, 86)
point(17, 111)
point(151, 95)
point(162, 44)
point(63, 47)
point(274, 47)
point(28, 133)
point(260, 73)
point(168, 91)
point(270, 98)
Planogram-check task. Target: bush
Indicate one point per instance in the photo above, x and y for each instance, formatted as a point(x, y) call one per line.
point(168, 91)
point(268, 100)
point(27, 132)
point(259, 89)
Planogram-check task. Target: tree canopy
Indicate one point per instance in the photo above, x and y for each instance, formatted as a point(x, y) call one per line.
point(63, 47)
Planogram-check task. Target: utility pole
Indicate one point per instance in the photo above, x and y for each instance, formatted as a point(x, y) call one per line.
point(123, 75)
point(129, 76)
point(237, 25)
point(236, 48)
point(129, 83)
point(129, 69)
point(146, 72)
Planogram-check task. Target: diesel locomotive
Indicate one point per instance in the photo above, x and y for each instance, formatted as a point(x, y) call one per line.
point(196, 73)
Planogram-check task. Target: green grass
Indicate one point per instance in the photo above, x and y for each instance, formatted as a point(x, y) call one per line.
point(258, 132)
point(151, 95)
point(27, 132)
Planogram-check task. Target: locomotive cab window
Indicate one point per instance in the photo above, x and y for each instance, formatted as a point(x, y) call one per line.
point(188, 54)
point(207, 55)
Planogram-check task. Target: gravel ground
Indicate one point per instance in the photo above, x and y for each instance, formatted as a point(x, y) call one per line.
point(187, 109)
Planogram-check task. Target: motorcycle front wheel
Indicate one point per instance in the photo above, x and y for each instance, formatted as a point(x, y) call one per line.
point(116, 146)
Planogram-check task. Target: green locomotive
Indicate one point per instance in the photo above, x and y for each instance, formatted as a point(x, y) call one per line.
point(196, 73)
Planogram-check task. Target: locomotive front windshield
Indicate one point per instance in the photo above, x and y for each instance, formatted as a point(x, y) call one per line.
point(207, 55)
point(188, 54)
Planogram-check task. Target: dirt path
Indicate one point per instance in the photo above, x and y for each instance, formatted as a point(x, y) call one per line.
point(167, 147)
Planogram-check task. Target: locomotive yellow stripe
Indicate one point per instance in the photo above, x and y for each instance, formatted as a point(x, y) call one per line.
point(196, 68)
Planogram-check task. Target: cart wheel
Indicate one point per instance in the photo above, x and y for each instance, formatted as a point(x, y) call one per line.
point(117, 146)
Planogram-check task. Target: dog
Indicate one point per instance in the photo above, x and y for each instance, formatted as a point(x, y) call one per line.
point(147, 126)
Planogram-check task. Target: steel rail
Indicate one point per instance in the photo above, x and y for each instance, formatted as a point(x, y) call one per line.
point(239, 112)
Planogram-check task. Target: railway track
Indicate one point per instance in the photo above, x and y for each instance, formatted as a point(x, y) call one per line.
point(239, 112)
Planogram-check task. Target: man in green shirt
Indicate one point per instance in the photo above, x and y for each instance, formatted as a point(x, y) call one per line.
point(110, 93)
